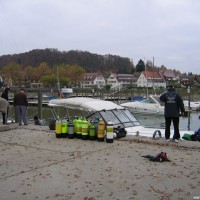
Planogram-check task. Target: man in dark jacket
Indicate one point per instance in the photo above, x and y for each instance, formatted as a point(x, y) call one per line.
point(21, 104)
point(173, 106)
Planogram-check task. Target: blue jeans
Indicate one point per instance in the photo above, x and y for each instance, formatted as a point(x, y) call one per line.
point(21, 112)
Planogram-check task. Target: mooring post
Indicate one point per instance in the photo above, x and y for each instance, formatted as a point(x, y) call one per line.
point(40, 104)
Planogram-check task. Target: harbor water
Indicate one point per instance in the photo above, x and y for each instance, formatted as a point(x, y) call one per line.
point(186, 123)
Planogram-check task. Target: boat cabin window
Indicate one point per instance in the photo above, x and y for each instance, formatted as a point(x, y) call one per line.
point(148, 100)
point(121, 118)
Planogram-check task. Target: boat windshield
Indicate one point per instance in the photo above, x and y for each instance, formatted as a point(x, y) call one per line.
point(148, 100)
point(122, 118)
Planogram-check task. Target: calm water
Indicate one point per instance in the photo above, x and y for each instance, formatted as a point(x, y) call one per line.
point(192, 123)
point(186, 123)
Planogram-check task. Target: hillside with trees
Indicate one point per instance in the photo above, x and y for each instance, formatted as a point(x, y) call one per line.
point(90, 62)
point(42, 66)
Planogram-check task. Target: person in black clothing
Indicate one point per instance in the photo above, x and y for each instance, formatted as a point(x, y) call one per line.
point(4, 95)
point(5, 92)
point(173, 107)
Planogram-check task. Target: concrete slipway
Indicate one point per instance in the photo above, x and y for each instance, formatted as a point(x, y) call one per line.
point(36, 165)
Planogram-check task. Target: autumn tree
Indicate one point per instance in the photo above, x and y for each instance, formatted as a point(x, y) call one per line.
point(13, 72)
point(75, 73)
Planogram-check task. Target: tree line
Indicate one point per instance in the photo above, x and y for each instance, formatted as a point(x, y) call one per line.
point(89, 61)
point(42, 65)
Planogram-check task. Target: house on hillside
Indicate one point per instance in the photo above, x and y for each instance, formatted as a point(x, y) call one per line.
point(121, 80)
point(150, 79)
point(186, 80)
point(93, 80)
point(167, 76)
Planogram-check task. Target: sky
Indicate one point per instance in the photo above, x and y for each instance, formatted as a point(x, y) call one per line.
point(166, 31)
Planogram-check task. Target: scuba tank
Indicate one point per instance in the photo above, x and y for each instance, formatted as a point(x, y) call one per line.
point(101, 130)
point(109, 132)
point(92, 131)
point(75, 126)
point(96, 121)
point(70, 130)
point(84, 130)
point(58, 129)
point(79, 128)
point(64, 125)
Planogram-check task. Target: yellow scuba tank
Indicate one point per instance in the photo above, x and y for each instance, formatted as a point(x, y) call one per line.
point(79, 128)
point(101, 130)
point(64, 125)
point(58, 129)
point(84, 131)
point(92, 131)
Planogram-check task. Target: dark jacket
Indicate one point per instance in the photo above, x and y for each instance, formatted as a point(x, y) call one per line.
point(5, 93)
point(173, 103)
point(20, 99)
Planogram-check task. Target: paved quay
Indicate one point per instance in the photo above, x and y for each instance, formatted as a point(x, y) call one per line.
point(34, 164)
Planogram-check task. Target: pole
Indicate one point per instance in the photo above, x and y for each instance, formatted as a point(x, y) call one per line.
point(58, 79)
point(40, 104)
point(188, 90)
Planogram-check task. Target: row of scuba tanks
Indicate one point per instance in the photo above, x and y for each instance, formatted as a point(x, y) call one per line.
point(83, 129)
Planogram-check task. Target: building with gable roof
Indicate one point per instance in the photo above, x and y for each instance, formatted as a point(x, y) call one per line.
point(93, 80)
point(150, 79)
point(122, 80)
point(167, 76)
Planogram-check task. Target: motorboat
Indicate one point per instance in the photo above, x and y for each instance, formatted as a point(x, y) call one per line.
point(108, 111)
point(194, 106)
point(150, 105)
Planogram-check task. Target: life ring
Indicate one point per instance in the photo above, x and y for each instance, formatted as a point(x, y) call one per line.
point(155, 133)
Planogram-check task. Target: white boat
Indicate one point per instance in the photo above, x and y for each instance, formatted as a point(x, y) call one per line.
point(194, 106)
point(107, 110)
point(150, 105)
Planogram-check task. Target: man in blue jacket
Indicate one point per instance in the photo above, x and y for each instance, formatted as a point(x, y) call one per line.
point(173, 107)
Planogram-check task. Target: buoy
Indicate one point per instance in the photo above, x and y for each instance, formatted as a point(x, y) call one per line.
point(71, 130)
point(58, 129)
point(92, 131)
point(109, 132)
point(101, 130)
point(64, 124)
point(84, 129)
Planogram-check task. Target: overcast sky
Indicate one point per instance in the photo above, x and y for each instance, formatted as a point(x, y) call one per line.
point(168, 30)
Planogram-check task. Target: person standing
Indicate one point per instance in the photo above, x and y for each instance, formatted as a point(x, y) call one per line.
point(4, 108)
point(4, 95)
point(21, 105)
point(173, 107)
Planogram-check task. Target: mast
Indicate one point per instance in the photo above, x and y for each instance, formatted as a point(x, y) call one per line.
point(146, 78)
point(58, 82)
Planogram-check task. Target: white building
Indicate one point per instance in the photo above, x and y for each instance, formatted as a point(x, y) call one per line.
point(93, 80)
point(150, 79)
point(121, 79)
